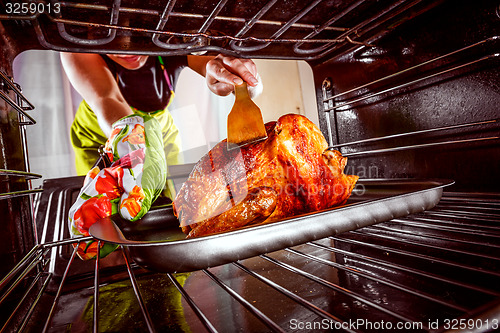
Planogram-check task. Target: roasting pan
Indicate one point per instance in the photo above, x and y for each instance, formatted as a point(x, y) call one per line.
point(156, 242)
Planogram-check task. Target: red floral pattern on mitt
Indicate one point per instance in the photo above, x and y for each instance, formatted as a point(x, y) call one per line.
point(120, 187)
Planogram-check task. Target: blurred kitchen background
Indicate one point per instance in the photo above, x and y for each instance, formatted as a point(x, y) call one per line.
point(199, 114)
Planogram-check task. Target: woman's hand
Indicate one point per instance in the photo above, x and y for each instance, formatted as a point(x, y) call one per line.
point(223, 72)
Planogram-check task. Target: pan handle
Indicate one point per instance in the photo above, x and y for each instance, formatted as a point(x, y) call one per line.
point(106, 230)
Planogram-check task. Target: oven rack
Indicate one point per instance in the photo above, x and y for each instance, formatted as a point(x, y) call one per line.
point(319, 32)
point(417, 146)
point(441, 265)
point(349, 99)
point(357, 91)
point(21, 105)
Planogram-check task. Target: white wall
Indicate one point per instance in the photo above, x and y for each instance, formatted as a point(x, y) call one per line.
point(288, 88)
point(202, 116)
point(43, 83)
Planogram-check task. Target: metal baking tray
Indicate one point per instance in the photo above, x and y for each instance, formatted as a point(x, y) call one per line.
point(156, 242)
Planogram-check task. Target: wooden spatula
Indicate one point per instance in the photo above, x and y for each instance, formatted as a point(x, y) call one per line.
point(244, 123)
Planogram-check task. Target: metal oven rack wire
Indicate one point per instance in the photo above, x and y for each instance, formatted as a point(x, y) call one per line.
point(21, 105)
point(345, 100)
point(426, 272)
point(306, 34)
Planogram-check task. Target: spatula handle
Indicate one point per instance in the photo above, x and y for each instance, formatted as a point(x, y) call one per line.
point(241, 90)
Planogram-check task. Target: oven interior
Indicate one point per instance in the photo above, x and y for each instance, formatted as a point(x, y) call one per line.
point(405, 89)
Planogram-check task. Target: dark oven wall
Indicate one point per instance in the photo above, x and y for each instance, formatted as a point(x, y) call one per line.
point(16, 238)
point(459, 88)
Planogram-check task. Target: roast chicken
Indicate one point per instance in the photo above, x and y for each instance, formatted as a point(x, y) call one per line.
point(291, 172)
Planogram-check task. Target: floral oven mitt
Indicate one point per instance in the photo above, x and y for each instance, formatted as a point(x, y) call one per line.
point(129, 186)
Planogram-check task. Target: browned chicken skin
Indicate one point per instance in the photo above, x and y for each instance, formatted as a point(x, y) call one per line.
point(289, 173)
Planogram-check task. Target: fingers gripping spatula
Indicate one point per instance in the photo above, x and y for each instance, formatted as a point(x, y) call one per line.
point(244, 123)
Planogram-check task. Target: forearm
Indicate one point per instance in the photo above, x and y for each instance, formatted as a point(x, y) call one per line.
point(199, 63)
point(90, 76)
point(109, 110)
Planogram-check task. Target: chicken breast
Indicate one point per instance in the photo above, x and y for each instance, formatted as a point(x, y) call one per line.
point(289, 173)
